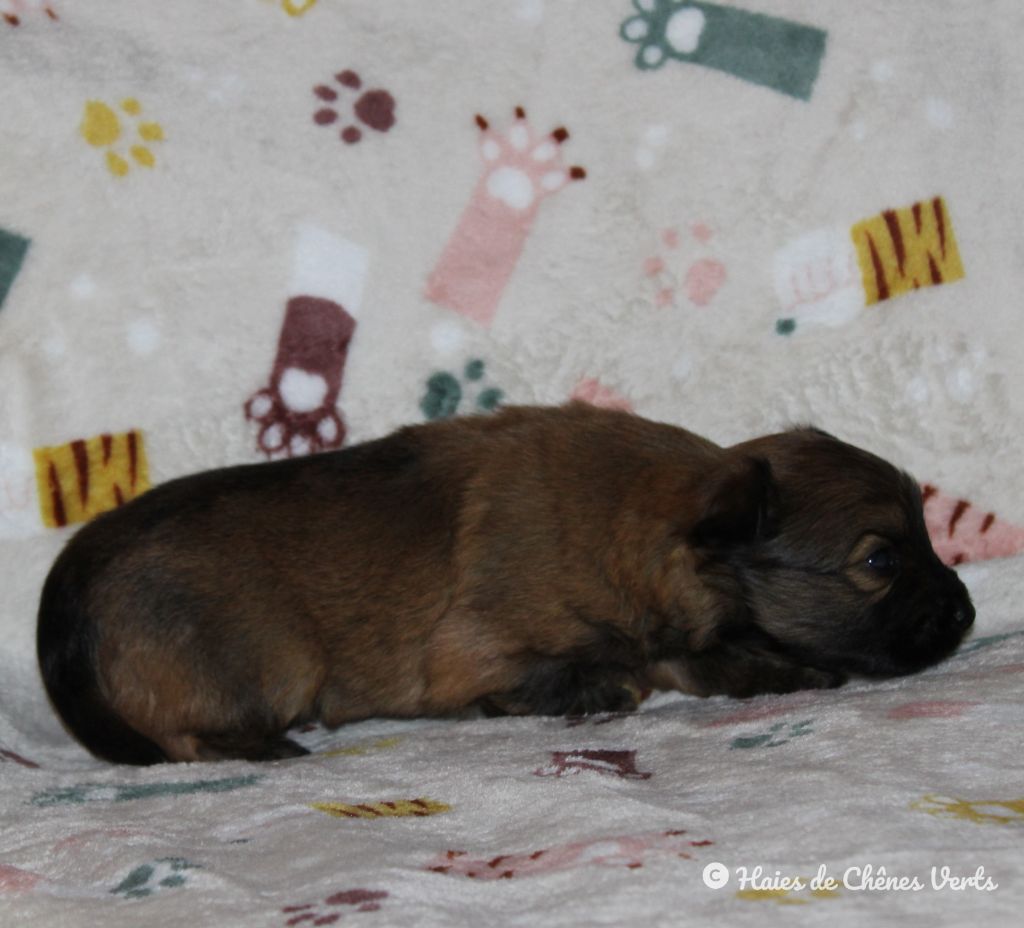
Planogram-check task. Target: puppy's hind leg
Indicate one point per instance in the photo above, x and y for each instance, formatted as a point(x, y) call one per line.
point(246, 744)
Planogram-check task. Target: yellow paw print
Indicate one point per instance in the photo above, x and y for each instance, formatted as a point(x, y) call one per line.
point(297, 7)
point(786, 896)
point(101, 128)
point(983, 811)
point(294, 7)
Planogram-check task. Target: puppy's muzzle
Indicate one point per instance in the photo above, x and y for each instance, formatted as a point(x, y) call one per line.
point(957, 603)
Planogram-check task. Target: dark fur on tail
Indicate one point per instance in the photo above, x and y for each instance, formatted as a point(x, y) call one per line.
point(65, 643)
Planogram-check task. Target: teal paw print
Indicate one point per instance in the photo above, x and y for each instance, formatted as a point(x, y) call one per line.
point(766, 50)
point(146, 879)
point(663, 29)
point(774, 736)
point(445, 393)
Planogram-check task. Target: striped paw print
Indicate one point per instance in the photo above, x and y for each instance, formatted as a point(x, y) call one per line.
point(82, 478)
point(961, 532)
point(399, 808)
point(981, 811)
point(101, 127)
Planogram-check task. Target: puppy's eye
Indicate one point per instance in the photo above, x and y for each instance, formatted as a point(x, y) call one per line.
point(884, 561)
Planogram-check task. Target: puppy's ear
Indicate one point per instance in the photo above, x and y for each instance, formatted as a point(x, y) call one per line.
point(740, 505)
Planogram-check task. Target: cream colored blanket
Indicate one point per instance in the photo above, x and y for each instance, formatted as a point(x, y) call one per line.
point(233, 231)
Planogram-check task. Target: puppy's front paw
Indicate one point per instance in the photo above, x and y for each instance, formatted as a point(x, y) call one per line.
point(740, 672)
point(809, 678)
point(786, 678)
point(614, 693)
point(557, 688)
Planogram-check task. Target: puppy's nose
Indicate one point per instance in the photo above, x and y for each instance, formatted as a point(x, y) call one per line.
point(963, 615)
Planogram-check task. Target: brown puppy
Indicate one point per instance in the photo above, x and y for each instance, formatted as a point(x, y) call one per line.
point(536, 561)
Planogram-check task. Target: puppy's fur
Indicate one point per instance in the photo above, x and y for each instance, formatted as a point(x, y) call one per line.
point(551, 560)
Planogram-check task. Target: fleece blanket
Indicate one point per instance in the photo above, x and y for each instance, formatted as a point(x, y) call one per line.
point(236, 231)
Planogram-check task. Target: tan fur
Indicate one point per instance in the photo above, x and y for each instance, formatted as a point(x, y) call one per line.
point(479, 560)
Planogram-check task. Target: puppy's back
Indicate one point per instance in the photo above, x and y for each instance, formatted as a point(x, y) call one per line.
point(145, 598)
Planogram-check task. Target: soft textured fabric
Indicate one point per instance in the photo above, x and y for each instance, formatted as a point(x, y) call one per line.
point(234, 231)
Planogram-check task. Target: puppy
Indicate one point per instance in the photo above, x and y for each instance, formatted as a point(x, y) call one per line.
point(541, 560)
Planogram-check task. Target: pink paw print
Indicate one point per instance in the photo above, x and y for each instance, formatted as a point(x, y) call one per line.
point(591, 390)
point(629, 851)
point(523, 166)
point(521, 169)
point(701, 280)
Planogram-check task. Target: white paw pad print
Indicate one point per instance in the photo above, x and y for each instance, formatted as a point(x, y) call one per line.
point(524, 167)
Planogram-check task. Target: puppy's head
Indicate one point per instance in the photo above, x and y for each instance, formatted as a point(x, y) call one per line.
point(830, 546)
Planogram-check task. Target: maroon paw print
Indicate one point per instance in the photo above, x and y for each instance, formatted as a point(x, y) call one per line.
point(297, 411)
point(373, 108)
point(362, 900)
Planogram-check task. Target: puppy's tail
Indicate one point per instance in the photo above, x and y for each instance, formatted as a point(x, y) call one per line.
point(66, 646)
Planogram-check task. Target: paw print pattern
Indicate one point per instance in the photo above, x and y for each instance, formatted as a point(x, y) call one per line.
point(131, 792)
point(146, 879)
point(591, 390)
point(353, 900)
point(778, 734)
point(445, 392)
point(620, 764)
point(961, 532)
point(628, 851)
point(764, 50)
point(699, 282)
point(297, 7)
point(521, 169)
point(13, 10)
point(787, 896)
point(982, 811)
point(902, 250)
point(397, 808)
point(13, 249)
point(829, 275)
point(297, 413)
point(816, 281)
point(372, 108)
point(102, 128)
point(358, 750)
point(82, 478)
